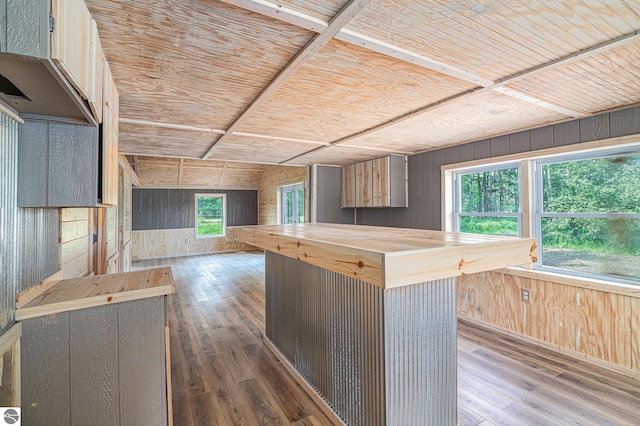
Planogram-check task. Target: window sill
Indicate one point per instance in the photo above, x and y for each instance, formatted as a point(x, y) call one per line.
point(589, 283)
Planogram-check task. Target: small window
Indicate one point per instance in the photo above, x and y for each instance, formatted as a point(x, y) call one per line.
point(588, 214)
point(292, 209)
point(210, 215)
point(487, 201)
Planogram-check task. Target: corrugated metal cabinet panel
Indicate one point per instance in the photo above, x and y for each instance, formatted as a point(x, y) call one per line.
point(57, 165)
point(381, 182)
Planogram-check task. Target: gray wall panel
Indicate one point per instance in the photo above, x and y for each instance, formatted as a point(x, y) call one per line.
point(482, 149)
point(45, 366)
point(566, 133)
point(542, 138)
point(175, 208)
point(329, 200)
point(93, 342)
point(519, 142)
point(142, 362)
point(23, 16)
point(33, 168)
point(465, 152)
point(595, 128)
point(499, 146)
point(39, 249)
point(625, 122)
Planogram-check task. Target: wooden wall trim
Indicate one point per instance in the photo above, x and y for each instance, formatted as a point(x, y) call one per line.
point(557, 348)
point(575, 281)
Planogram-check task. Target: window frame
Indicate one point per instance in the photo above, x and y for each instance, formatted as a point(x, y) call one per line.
point(224, 213)
point(529, 162)
point(538, 214)
point(457, 196)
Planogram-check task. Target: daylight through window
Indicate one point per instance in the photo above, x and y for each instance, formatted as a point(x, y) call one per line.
point(210, 215)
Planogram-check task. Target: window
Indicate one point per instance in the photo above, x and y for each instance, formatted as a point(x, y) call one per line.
point(588, 214)
point(210, 215)
point(582, 206)
point(487, 201)
point(292, 198)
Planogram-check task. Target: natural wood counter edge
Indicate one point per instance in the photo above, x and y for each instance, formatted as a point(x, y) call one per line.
point(97, 300)
point(392, 268)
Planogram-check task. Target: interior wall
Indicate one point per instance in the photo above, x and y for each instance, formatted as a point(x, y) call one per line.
point(76, 242)
point(328, 199)
point(597, 324)
point(163, 222)
point(273, 178)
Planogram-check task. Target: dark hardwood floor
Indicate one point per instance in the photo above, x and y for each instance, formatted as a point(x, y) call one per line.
point(222, 374)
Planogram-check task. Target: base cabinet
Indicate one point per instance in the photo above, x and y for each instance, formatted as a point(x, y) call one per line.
point(104, 365)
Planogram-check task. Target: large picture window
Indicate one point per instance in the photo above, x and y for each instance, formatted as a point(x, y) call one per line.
point(210, 215)
point(588, 214)
point(582, 206)
point(487, 201)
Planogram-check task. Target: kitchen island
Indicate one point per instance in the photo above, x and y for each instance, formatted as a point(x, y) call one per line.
point(365, 317)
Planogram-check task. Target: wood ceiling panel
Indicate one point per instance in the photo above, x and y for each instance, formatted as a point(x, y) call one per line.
point(259, 150)
point(599, 82)
point(474, 117)
point(151, 140)
point(241, 178)
point(345, 89)
point(195, 63)
point(337, 155)
point(201, 177)
point(320, 9)
point(500, 38)
point(158, 171)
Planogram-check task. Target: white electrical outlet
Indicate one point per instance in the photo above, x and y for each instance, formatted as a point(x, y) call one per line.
point(526, 295)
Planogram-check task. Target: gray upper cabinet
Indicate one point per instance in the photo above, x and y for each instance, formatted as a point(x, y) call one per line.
point(47, 59)
point(58, 165)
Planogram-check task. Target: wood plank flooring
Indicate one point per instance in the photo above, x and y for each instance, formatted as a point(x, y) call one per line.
point(223, 375)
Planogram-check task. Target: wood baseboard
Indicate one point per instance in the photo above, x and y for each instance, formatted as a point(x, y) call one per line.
point(560, 349)
point(317, 398)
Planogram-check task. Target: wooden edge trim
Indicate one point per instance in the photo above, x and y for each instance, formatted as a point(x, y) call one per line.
point(315, 396)
point(575, 281)
point(167, 362)
point(11, 336)
point(122, 160)
point(560, 349)
point(91, 302)
point(10, 112)
point(24, 298)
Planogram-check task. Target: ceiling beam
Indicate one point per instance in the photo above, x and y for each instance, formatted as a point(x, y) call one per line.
point(170, 126)
point(314, 45)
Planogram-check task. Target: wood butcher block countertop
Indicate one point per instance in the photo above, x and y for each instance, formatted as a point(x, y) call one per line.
point(390, 257)
point(98, 290)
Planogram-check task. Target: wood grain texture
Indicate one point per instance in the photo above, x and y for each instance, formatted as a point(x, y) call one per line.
point(70, 43)
point(10, 371)
point(75, 243)
point(96, 74)
point(273, 178)
point(592, 324)
point(98, 290)
point(110, 138)
point(179, 242)
point(94, 359)
point(348, 186)
point(389, 257)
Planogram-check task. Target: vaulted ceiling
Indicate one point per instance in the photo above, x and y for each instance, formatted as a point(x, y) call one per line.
point(298, 82)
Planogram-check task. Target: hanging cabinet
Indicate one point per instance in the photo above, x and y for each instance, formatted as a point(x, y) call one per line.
point(381, 182)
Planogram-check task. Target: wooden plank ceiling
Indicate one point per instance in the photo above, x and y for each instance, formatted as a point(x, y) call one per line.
point(299, 82)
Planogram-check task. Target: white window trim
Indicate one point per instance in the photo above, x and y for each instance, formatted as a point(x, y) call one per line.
point(527, 160)
point(224, 214)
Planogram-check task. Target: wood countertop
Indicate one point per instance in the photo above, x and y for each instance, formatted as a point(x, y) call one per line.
point(390, 257)
point(98, 290)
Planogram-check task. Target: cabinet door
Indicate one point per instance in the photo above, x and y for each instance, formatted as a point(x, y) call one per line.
point(109, 140)
point(349, 186)
point(363, 184)
point(71, 43)
point(380, 182)
point(97, 74)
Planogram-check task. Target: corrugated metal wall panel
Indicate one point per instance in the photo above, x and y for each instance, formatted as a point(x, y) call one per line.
point(39, 250)
point(8, 220)
point(420, 354)
point(330, 327)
